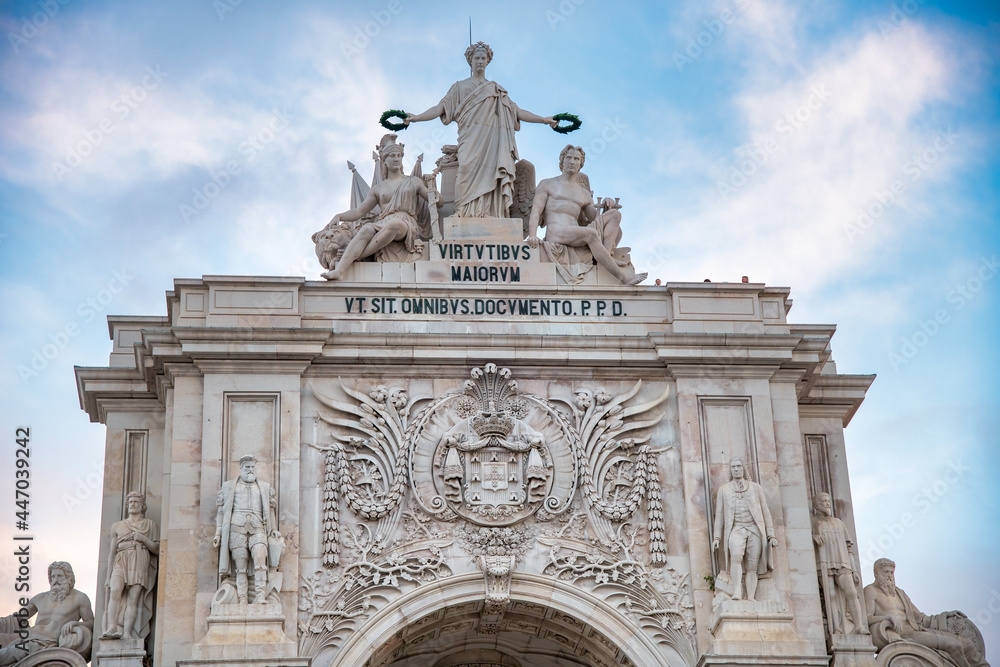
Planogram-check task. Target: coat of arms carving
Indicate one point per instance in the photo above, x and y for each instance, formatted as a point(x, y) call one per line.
point(490, 466)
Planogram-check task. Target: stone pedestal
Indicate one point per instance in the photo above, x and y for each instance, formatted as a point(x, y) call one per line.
point(242, 634)
point(852, 651)
point(747, 632)
point(120, 653)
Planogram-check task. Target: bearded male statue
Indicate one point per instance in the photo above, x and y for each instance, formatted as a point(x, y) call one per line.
point(839, 580)
point(246, 532)
point(892, 618)
point(64, 619)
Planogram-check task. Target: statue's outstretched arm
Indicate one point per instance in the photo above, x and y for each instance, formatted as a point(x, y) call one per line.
point(526, 116)
point(432, 113)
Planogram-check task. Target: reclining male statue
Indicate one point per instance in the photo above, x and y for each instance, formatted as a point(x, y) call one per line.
point(893, 618)
point(64, 619)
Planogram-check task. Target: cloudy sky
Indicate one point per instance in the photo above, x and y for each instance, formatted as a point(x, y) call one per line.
point(845, 149)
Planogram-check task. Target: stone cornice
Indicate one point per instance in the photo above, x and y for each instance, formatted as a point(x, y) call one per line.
point(727, 349)
point(122, 388)
point(543, 351)
point(835, 395)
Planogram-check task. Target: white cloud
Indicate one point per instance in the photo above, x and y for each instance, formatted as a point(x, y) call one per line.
point(818, 148)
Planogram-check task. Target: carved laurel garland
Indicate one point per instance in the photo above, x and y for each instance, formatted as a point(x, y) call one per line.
point(331, 511)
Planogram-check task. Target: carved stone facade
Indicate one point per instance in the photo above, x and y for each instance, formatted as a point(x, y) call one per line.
point(518, 474)
point(490, 480)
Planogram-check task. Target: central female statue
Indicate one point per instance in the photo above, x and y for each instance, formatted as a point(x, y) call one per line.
point(487, 120)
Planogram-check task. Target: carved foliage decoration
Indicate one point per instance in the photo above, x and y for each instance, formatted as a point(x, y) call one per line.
point(617, 472)
point(657, 599)
point(495, 472)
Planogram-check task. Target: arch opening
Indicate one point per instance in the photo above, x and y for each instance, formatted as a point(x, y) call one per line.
point(547, 623)
point(527, 635)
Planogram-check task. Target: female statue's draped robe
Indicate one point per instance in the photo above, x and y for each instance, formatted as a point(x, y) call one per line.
point(487, 120)
point(403, 206)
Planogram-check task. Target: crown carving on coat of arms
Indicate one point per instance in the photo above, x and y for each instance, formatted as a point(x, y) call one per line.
point(493, 424)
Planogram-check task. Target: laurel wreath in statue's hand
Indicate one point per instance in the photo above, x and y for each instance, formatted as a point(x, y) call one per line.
point(575, 123)
point(394, 113)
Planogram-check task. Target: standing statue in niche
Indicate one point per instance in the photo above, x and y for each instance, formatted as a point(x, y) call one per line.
point(563, 204)
point(64, 619)
point(135, 545)
point(839, 580)
point(397, 198)
point(487, 120)
point(743, 520)
point(245, 530)
point(892, 617)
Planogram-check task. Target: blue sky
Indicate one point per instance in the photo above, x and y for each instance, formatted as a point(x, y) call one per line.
point(845, 149)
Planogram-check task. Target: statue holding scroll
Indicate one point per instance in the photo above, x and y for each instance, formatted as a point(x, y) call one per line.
point(744, 530)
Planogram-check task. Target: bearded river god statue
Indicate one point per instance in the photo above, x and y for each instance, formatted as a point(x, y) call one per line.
point(897, 626)
point(64, 622)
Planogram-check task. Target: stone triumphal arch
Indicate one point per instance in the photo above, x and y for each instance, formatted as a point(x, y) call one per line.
point(469, 445)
